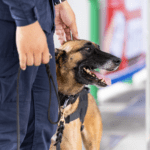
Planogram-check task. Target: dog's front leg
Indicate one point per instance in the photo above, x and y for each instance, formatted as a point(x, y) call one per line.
point(71, 139)
point(92, 131)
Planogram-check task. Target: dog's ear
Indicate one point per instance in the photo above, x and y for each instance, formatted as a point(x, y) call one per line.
point(98, 46)
point(60, 54)
point(57, 51)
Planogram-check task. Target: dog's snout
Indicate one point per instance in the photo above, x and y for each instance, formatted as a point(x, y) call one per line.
point(117, 61)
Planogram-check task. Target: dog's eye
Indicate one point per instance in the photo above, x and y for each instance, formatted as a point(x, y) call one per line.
point(88, 49)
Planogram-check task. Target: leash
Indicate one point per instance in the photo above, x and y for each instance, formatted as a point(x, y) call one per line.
point(59, 115)
point(61, 126)
point(79, 113)
point(65, 100)
point(18, 125)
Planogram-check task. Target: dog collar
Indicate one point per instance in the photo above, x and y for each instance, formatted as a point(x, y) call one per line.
point(65, 100)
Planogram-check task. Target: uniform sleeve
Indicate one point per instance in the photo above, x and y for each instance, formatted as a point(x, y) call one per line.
point(56, 1)
point(22, 11)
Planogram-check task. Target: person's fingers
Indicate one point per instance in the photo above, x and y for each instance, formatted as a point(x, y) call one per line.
point(73, 28)
point(37, 59)
point(45, 57)
point(59, 32)
point(62, 41)
point(58, 26)
point(61, 35)
point(22, 61)
point(68, 35)
point(30, 59)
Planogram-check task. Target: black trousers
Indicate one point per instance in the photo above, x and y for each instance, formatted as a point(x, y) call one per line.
point(35, 129)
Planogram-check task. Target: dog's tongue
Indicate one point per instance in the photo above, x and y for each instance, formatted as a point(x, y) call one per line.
point(100, 76)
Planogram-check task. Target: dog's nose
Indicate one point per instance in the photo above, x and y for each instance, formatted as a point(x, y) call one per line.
point(116, 61)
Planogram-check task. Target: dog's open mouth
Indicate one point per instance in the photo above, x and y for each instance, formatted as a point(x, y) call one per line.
point(94, 77)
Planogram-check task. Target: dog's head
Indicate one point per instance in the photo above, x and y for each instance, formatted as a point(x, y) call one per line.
point(76, 62)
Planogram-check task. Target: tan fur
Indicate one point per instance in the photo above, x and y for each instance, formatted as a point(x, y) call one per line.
point(73, 45)
point(71, 108)
point(92, 132)
point(65, 75)
point(72, 139)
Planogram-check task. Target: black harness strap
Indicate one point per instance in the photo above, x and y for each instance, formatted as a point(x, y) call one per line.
point(82, 107)
point(71, 98)
point(81, 110)
point(58, 146)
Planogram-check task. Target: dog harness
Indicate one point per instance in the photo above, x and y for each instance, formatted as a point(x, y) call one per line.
point(65, 100)
point(82, 107)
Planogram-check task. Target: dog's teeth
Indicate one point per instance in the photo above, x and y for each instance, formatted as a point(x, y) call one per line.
point(85, 69)
point(88, 71)
point(93, 75)
point(103, 80)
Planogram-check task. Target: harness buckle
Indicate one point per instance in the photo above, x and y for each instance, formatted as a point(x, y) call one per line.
point(62, 116)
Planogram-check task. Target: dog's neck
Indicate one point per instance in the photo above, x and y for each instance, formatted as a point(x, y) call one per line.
point(67, 99)
point(67, 84)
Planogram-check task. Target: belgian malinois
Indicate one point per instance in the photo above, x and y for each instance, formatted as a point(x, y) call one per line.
point(76, 62)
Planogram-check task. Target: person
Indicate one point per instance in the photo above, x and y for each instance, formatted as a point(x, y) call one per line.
point(26, 41)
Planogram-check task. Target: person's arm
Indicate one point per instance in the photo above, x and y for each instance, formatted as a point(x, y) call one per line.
point(31, 41)
point(22, 11)
point(65, 22)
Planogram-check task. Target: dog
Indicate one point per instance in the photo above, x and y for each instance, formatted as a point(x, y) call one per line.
point(76, 62)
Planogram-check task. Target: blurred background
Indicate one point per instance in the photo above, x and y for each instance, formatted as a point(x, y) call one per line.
point(120, 28)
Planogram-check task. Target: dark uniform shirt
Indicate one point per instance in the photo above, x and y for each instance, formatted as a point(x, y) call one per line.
point(25, 12)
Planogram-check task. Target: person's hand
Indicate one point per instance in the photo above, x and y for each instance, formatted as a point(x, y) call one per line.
point(31, 45)
point(65, 22)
